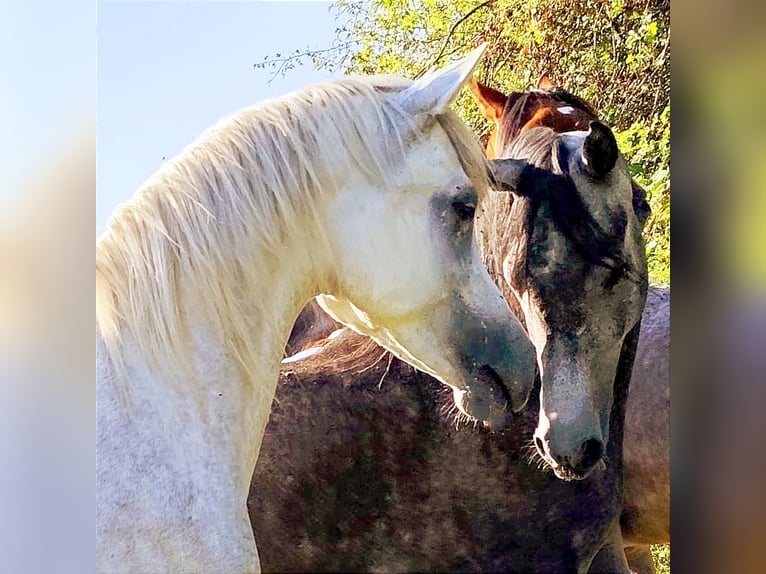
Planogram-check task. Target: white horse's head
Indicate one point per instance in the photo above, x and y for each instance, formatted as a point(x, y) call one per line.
point(408, 272)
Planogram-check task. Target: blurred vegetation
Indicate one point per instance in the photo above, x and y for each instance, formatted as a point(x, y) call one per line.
point(613, 53)
point(661, 556)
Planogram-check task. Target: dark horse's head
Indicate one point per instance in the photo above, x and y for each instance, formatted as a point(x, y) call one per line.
point(568, 245)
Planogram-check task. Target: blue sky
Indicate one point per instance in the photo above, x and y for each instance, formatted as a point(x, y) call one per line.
point(48, 88)
point(168, 70)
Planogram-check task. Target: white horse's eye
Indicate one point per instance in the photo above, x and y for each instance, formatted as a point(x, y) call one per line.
point(464, 210)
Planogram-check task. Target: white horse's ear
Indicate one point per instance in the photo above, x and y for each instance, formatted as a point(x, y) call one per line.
point(434, 92)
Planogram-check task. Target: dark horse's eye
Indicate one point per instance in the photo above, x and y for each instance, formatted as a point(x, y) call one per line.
point(464, 210)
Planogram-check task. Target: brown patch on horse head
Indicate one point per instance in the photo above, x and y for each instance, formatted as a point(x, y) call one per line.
point(558, 116)
point(546, 117)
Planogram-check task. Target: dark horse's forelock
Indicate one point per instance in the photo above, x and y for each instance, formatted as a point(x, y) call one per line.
point(543, 182)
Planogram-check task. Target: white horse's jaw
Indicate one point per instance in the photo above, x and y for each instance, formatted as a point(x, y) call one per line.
point(487, 403)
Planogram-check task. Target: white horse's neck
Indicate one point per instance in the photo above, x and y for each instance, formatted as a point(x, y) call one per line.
point(173, 460)
point(220, 401)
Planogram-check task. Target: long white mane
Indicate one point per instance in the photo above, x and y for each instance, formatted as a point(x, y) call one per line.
point(253, 177)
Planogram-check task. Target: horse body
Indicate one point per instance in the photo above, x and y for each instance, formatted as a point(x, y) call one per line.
point(201, 276)
point(572, 265)
point(361, 471)
point(645, 517)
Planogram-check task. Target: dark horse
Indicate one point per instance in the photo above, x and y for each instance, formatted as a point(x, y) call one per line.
point(646, 515)
point(365, 473)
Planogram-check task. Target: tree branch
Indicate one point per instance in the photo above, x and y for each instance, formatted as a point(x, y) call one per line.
point(283, 64)
point(454, 27)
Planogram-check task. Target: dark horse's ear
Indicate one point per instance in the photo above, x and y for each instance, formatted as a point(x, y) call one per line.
point(507, 174)
point(544, 83)
point(599, 151)
point(490, 101)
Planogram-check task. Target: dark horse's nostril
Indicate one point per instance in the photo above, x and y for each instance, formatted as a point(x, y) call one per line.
point(592, 451)
point(539, 445)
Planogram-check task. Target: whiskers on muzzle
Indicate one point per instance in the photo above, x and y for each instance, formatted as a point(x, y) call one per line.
point(567, 473)
point(448, 409)
point(534, 458)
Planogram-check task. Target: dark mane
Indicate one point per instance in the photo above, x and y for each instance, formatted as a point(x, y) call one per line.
point(347, 356)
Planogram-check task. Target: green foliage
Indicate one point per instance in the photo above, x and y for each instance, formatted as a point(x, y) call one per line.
point(647, 147)
point(661, 556)
point(613, 53)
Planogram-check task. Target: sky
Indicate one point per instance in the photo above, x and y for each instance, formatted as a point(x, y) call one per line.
point(168, 70)
point(48, 85)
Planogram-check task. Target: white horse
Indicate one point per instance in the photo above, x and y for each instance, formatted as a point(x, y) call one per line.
point(360, 189)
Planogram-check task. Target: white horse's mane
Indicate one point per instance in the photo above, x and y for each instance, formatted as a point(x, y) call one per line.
point(247, 179)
